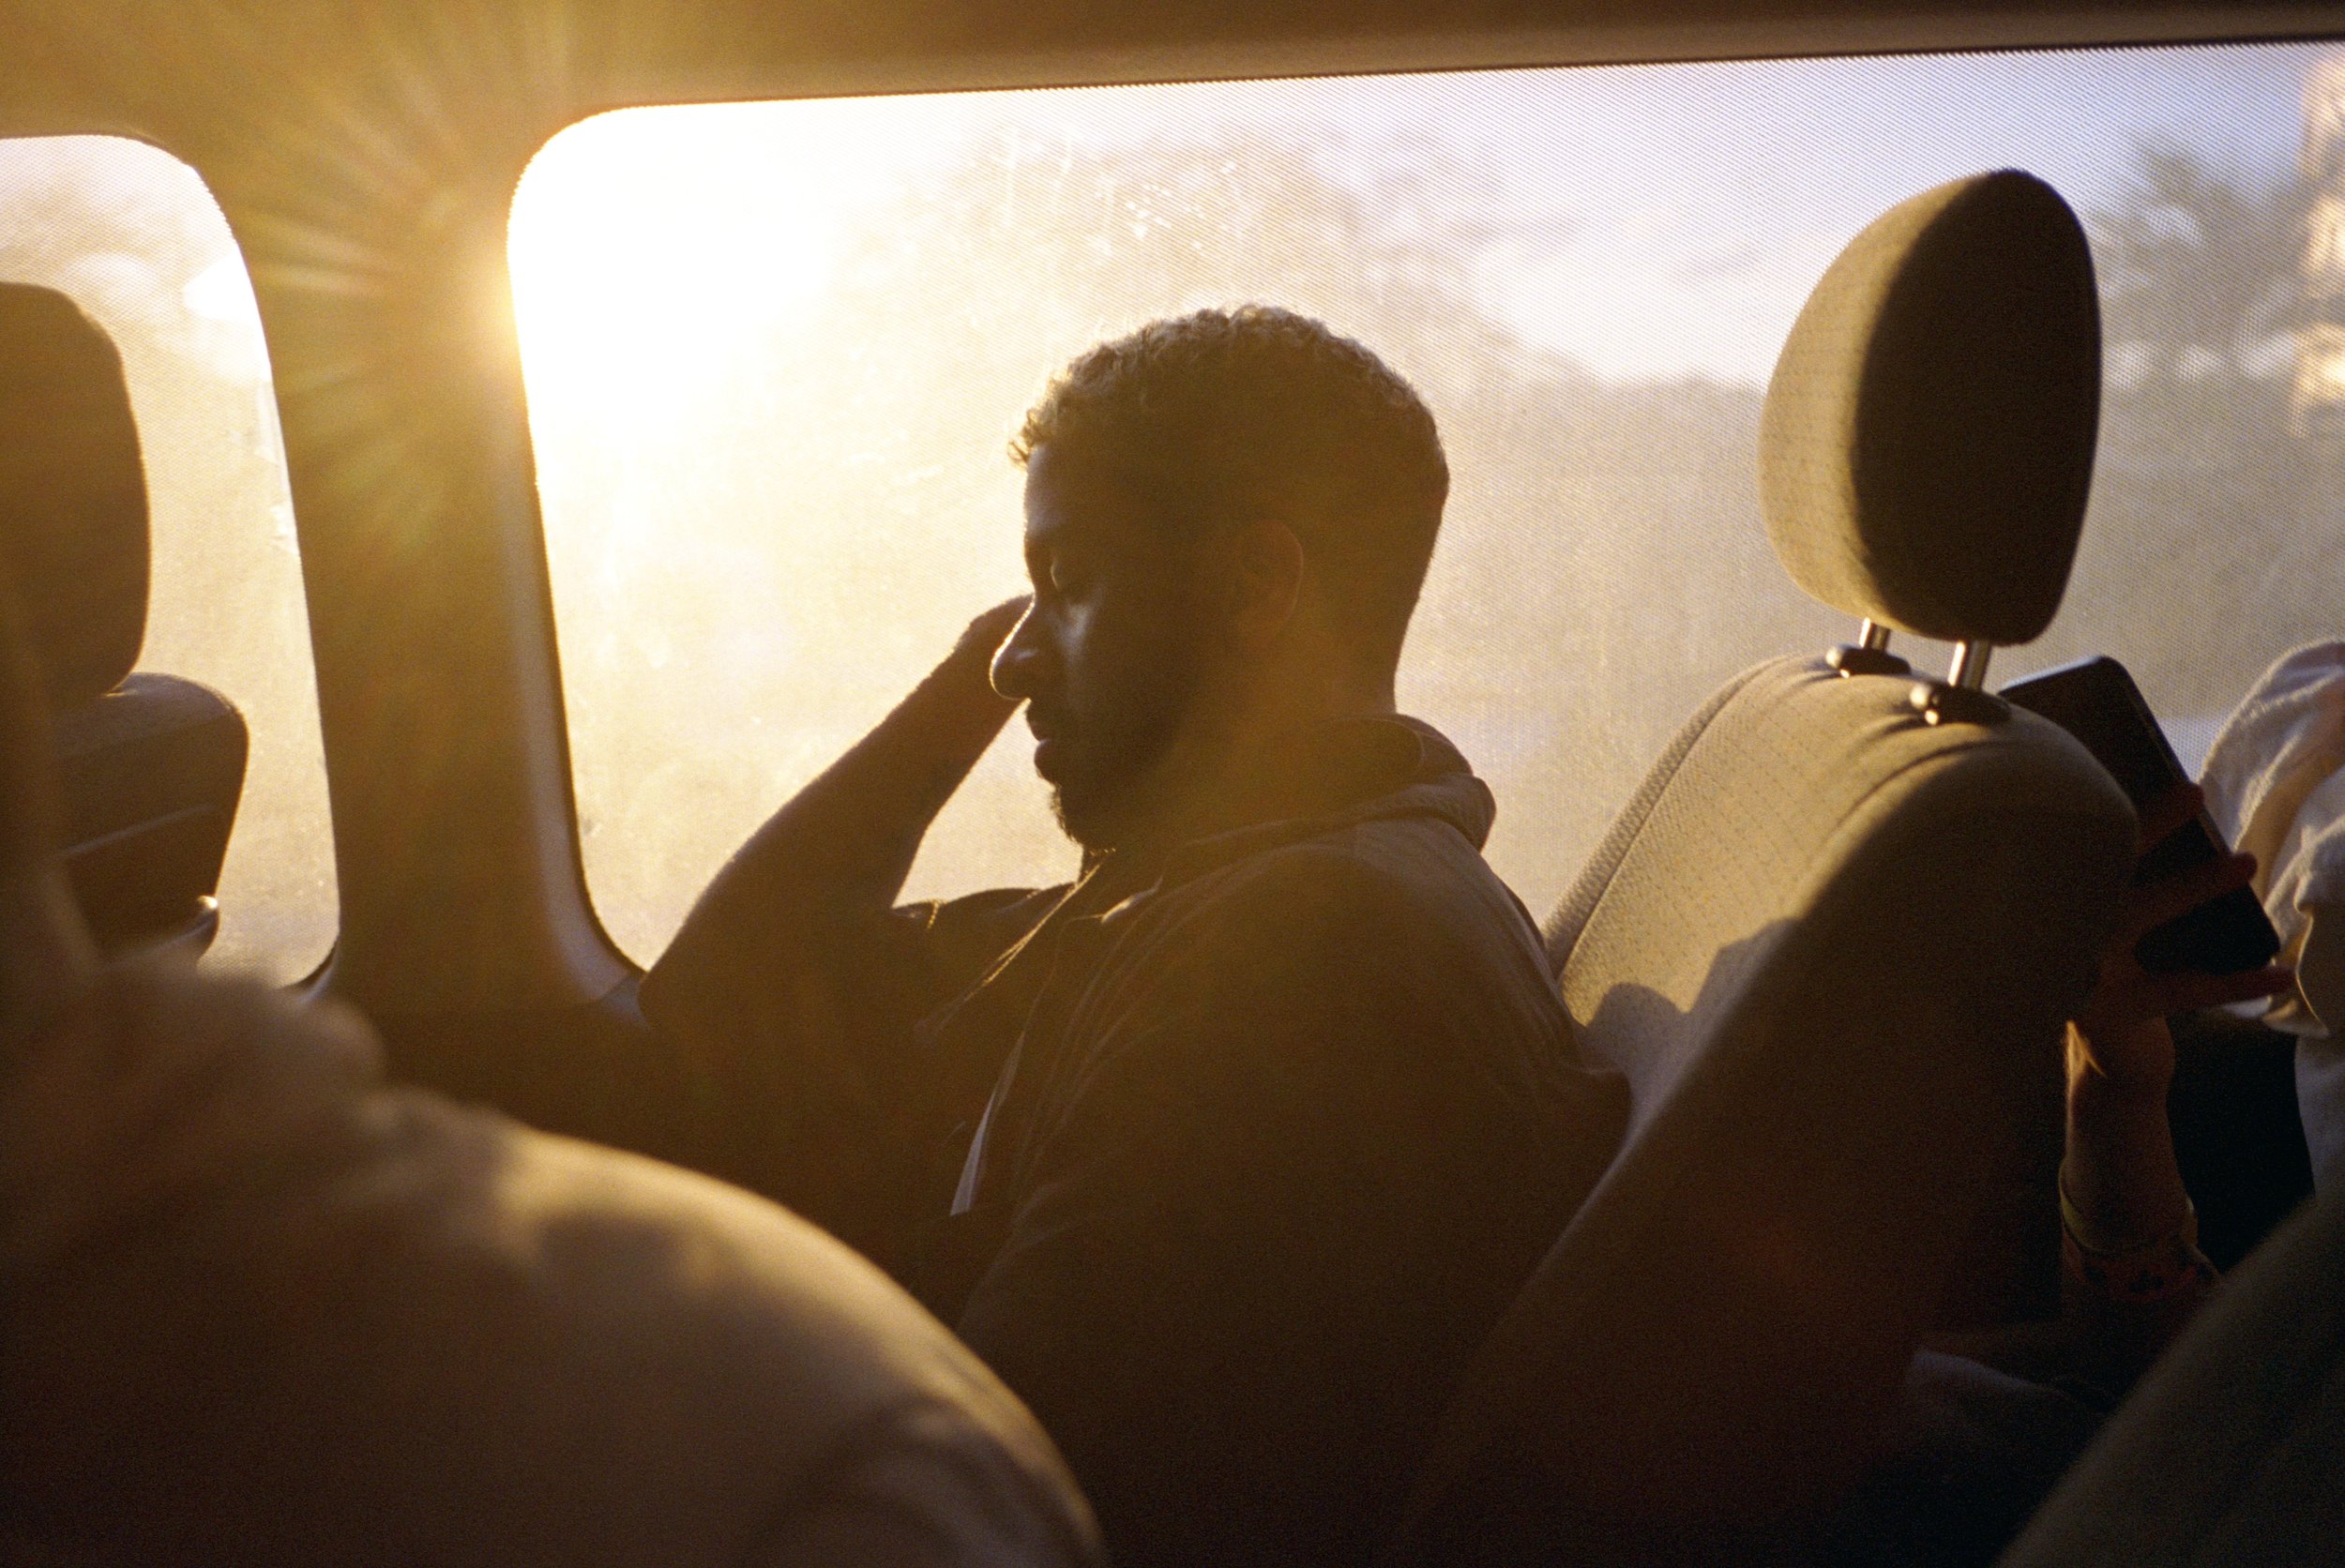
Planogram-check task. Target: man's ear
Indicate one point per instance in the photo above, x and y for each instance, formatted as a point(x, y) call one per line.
point(1267, 567)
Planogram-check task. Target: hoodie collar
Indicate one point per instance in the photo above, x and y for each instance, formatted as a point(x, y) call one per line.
point(1349, 772)
point(1341, 774)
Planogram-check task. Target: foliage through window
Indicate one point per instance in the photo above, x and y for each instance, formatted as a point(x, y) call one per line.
point(774, 351)
point(131, 234)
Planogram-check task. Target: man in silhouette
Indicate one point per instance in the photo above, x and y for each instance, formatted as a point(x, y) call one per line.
point(1226, 1155)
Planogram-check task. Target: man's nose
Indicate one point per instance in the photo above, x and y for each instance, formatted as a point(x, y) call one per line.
point(1017, 662)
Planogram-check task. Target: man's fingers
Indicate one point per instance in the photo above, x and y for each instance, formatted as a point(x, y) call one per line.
point(2154, 906)
point(2166, 816)
point(997, 622)
point(2190, 992)
point(990, 629)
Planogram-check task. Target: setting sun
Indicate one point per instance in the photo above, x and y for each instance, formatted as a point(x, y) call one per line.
point(644, 253)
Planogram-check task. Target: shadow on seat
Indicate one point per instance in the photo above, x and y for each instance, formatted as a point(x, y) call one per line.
point(1830, 944)
point(2230, 1450)
point(152, 765)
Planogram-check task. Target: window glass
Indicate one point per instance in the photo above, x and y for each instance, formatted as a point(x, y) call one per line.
point(774, 351)
point(133, 237)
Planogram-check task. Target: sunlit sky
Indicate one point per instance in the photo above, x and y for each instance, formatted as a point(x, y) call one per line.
point(743, 447)
point(719, 503)
point(1649, 221)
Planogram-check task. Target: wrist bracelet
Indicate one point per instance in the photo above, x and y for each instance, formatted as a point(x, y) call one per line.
point(2133, 1270)
point(2094, 1240)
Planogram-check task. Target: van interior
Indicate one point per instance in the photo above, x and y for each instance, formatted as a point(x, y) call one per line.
point(558, 428)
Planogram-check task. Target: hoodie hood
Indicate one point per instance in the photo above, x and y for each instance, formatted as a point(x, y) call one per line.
point(1349, 772)
point(1337, 776)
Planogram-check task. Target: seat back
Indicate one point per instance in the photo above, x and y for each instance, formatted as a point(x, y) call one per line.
point(1830, 941)
point(2229, 1451)
point(152, 765)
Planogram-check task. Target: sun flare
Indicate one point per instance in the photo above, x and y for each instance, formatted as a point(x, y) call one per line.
point(645, 254)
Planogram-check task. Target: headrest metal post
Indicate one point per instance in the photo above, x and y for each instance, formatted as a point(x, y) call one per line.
point(1868, 654)
point(1969, 671)
point(1962, 697)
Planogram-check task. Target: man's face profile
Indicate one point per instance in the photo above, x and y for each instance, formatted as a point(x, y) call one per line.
point(1108, 657)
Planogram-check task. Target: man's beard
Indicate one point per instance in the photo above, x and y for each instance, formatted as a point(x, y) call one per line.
point(1120, 778)
point(1101, 807)
point(1080, 824)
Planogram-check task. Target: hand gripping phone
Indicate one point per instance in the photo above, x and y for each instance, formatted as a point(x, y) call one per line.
point(2095, 701)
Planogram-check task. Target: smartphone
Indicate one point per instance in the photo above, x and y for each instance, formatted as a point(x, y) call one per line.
point(2095, 701)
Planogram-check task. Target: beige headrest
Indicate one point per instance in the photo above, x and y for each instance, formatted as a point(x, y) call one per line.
point(1927, 448)
point(73, 528)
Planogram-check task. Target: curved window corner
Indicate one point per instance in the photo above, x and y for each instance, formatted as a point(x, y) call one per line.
point(133, 236)
point(774, 353)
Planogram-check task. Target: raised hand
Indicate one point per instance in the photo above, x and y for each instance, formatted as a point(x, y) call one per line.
point(2119, 1174)
point(2119, 1043)
point(991, 628)
point(830, 863)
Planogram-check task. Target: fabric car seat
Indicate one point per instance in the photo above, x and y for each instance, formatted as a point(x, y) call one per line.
point(260, 1308)
point(152, 765)
point(1830, 941)
point(2229, 1451)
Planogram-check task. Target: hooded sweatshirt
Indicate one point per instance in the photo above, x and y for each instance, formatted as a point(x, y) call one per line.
point(1277, 1125)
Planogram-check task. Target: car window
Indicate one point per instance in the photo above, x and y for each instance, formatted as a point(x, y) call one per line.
point(774, 353)
point(133, 236)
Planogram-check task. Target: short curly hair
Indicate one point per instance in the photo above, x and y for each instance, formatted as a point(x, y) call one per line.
point(1226, 415)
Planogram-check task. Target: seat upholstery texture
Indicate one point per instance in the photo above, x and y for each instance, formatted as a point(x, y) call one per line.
point(1927, 448)
point(1831, 948)
point(1830, 944)
point(152, 765)
point(2230, 1451)
point(257, 1309)
point(151, 772)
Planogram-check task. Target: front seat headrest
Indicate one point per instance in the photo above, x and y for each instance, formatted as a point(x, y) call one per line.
point(1927, 448)
point(73, 525)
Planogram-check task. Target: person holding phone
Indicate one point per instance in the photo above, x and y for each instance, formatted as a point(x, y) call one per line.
point(2130, 1252)
point(1988, 1426)
point(2192, 937)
